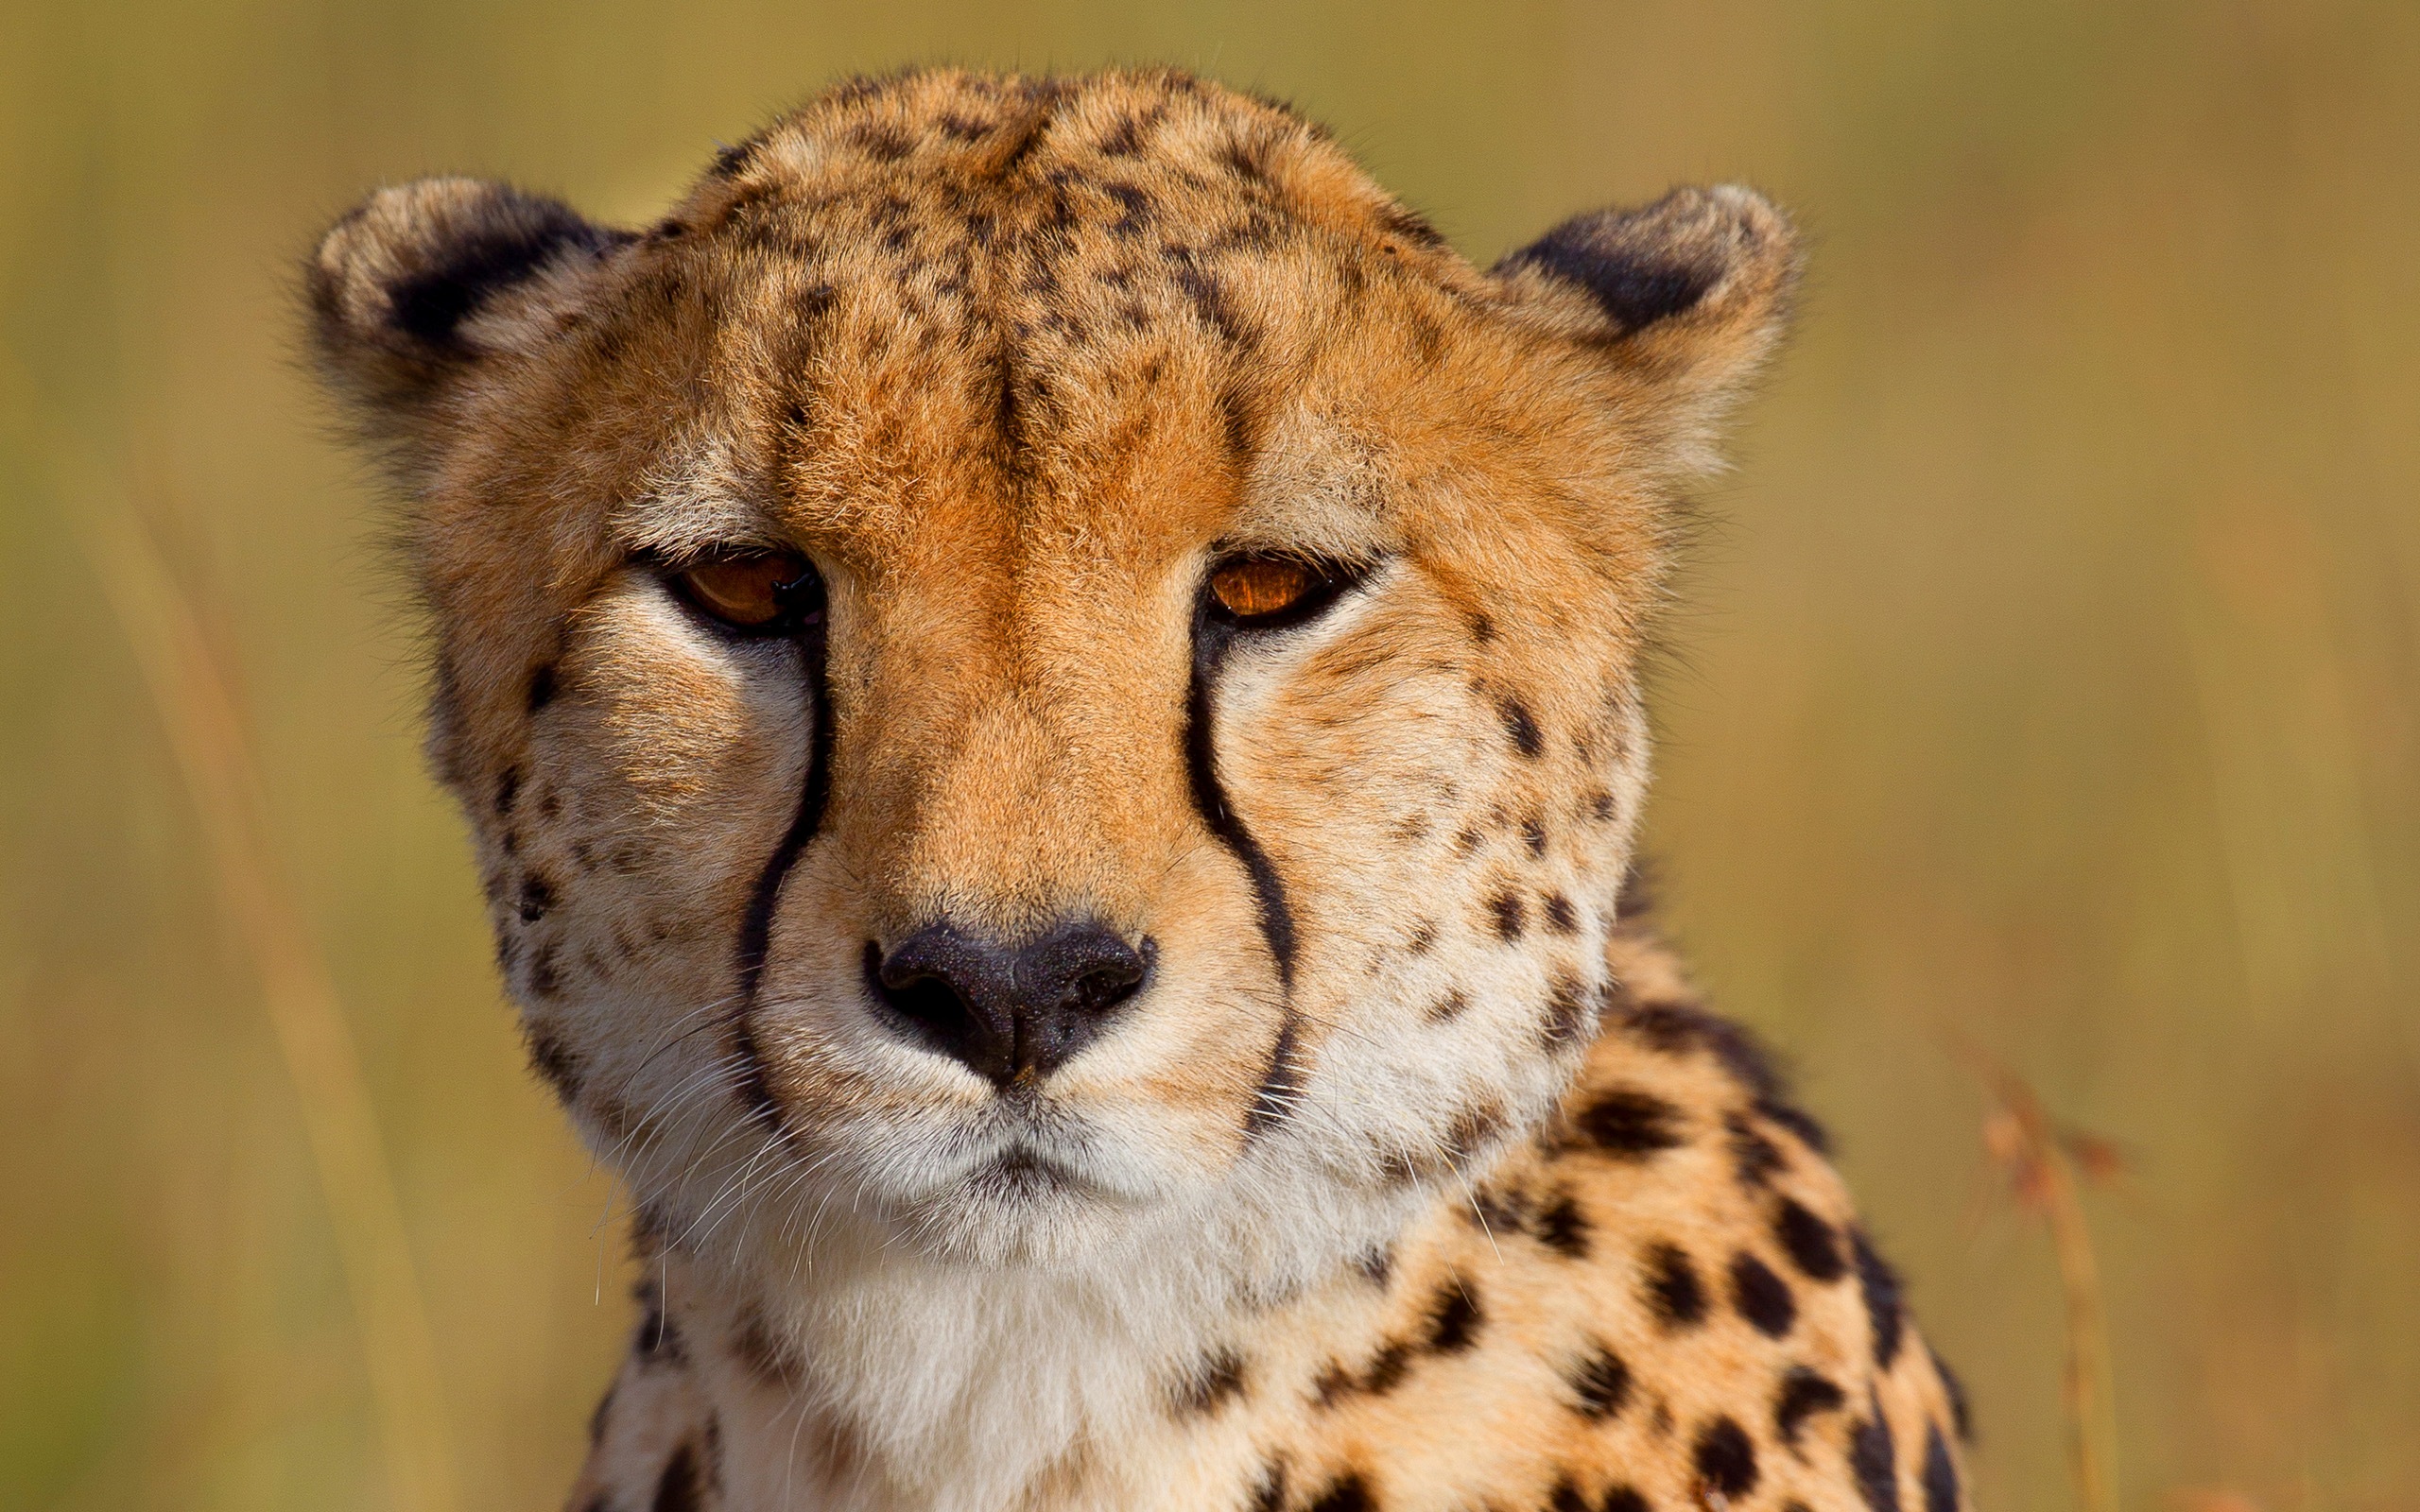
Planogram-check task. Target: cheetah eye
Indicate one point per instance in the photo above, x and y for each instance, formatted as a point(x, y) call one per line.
point(762, 592)
point(1267, 593)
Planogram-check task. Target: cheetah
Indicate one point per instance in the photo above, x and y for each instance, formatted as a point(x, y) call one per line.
point(1047, 685)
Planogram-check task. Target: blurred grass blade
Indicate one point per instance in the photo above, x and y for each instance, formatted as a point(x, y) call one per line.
point(206, 734)
point(2041, 1161)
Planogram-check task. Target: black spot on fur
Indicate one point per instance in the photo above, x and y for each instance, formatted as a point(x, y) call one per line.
point(1563, 1228)
point(1269, 1495)
point(659, 1340)
point(1881, 1284)
point(542, 686)
point(1762, 1298)
point(1520, 726)
point(1454, 1318)
point(1409, 224)
point(553, 1059)
point(1350, 1494)
point(1209, 299)
point(1378, 1265)
point(1599, 1383)
point(1753, 1158)
point(537, 897)
point(1631, 1123)
point(1960, 1416)
point(1423, 939)
point(1566, 1497)
point(1560, 917)
point(1449, 1008)
point(1533, 835)
point(508, 787)
point(1803, 1395)
point(1215, 1380)
point(1812, 1245)
point(730, 162)
point(1941, 1474)
point(1622, 1499)
point(1134, 206)
point(1874, 1460)
point(1726, 1461)
point(1566, 1015)
point(766, 1357)
point(1482, 628)
point(1673, 1289)
point(1510, 914)
point(677, 1491)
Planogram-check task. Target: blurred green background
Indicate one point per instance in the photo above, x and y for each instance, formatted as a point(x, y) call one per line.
point(2051, 677)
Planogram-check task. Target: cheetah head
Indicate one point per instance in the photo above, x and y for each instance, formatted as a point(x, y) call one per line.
point(1041, 664)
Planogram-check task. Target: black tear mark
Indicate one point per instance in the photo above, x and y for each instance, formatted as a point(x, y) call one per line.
point(542, 686)
point(537, 897)
point(1212, 639)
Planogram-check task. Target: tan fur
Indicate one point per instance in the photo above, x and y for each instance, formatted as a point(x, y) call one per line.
point(1014, 361)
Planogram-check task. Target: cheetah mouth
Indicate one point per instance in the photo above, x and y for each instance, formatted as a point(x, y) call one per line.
point(1025, 1174)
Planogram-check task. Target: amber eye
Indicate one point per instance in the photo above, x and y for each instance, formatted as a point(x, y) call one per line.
point(1253, 589)
point(763, 591)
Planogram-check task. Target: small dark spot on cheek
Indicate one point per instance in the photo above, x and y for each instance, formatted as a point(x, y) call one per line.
point(1511, 917)
point(1560, 917)
point(1520, 727)
point(1482, 628)
point(542, 686)
point(1533, 835)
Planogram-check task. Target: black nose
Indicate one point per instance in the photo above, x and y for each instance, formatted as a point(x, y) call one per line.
point(1007, 1010)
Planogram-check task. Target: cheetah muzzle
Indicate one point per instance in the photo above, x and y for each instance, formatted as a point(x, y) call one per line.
point(1047, 686)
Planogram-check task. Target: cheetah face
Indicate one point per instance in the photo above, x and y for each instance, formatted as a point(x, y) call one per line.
point(1040, 661)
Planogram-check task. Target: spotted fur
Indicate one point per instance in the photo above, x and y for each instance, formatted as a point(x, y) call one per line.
point(1413, 1176)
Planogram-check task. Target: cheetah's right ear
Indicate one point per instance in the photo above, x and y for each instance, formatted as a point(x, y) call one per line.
point(423, 281)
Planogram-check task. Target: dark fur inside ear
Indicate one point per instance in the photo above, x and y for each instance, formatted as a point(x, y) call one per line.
point(1647, 265)
point(395, 285)
point(1681, 301)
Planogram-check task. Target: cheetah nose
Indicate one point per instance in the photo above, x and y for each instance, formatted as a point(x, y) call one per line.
point(1008, 1011)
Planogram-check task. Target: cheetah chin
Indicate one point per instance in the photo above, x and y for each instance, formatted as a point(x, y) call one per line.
point(1047, 687)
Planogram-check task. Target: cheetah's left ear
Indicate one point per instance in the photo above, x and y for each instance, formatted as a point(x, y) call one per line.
point(1686, 297)
point(425, 281)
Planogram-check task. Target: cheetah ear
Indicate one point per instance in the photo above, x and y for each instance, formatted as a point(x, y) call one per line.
point(1686, 297)
point(425, 281)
